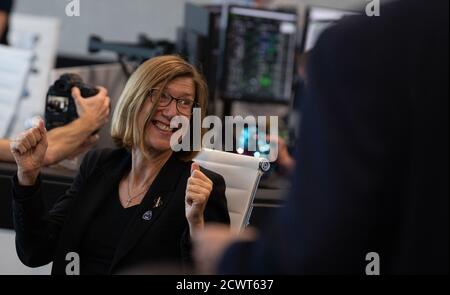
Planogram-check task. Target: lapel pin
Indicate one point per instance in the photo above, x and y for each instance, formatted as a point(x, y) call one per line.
point(147, 215)
point(157, 203)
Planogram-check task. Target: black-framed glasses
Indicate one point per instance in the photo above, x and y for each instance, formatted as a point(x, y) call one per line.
point(184, 105)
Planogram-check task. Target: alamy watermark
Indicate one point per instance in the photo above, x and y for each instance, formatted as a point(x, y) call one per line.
point(251, 134)
point(73, 8)
point(73, 265)
point(373, 8)
point(373, 267)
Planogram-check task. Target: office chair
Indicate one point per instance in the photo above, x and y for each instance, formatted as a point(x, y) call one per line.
point(242, 175)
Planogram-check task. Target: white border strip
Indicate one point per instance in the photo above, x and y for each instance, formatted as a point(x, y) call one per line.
point(264, 14)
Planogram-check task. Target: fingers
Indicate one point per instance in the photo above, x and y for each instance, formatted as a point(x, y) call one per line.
point(102, 94)
point(198, 199)
point(76, 94)
point(106, 106)
point(33, 137)
point(198, 174)
point(27, 140)
point(78, 99)
point(41, 126)
point(17, 147)
point(103, 110)
point(102, 91)
point(103, 104)
point(192, 181)
point(195, 167)
point(107, 103)
point(94, 110)
point(43, 132)
point(198, 183)
point(197, 189)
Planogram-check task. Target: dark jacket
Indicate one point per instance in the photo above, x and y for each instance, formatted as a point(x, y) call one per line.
point(5, 6)
point(373, 165)
point(43, 236)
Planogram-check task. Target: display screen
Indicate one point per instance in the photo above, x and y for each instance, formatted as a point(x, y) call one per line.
point(259, 55)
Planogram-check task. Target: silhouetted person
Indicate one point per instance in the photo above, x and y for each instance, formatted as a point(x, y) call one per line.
point(372, 173)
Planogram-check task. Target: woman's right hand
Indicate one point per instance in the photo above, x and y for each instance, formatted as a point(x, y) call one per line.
point(29, 150)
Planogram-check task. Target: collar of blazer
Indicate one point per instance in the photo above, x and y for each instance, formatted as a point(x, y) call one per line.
point(99, 186)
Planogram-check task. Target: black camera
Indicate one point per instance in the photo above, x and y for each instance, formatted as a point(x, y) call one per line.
point(60, 106)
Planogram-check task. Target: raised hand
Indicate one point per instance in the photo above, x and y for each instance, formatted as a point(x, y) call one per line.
point(93, 110)
point(198, 189)
point(29, 150)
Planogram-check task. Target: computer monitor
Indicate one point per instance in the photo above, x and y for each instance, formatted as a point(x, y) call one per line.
point(318, 19)
point(200, 38)
point(258, 55)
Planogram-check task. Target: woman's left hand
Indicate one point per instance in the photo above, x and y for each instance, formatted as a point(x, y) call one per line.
point(198, 189)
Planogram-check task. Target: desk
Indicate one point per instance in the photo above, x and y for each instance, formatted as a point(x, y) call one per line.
point(270, 197)
point(50, 173)
point(56, 180)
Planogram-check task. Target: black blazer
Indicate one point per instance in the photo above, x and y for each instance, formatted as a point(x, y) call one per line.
point(373, 173)
point(43, 236)
point(5, 6)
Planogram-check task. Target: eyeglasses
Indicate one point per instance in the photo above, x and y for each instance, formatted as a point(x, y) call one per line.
point(184, 105)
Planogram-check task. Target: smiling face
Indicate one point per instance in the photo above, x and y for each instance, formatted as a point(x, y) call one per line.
point(136, 124)
point(158, 131)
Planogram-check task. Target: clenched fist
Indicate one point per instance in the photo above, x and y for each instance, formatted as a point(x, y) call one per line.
point(198, 189)
point(29, 150)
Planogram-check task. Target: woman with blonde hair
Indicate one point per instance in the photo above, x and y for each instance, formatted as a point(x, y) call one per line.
point(139, 203)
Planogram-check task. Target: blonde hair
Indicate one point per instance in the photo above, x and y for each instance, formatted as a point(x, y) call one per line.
point(156, 72)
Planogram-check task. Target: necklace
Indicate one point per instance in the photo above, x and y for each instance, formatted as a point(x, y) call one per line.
point(131, 198)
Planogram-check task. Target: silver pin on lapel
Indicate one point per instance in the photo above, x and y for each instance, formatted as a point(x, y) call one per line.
point(157, 203)
point(147, 215)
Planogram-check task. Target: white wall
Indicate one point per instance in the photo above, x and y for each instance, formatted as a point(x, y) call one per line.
point(123, 20)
